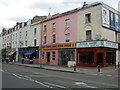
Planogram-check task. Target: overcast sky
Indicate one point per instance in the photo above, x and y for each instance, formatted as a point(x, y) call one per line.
point(12, 11)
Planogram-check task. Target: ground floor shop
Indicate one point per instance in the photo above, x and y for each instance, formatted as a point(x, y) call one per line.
point(58, 54)
point(93, 57)
point(28, 55)
point(85, 54)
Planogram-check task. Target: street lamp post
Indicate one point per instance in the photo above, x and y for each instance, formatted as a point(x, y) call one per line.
point(40, 47)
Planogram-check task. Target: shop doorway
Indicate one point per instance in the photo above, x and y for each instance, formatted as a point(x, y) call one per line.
point(100, 59)
point(48, 57)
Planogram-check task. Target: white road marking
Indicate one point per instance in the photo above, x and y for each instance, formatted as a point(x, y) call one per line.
point(43, 84)
point(54, 85)
point(30, 79)
point(108, 75)
point(2, 70)
point(80, 83)
point(84, 84)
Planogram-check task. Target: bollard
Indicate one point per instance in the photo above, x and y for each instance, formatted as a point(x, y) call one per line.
point(115, 65)
point(98, 68)
point(118, 64)
point(74, 67)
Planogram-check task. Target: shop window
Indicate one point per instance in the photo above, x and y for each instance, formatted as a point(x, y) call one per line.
point(110, 58)
point(88, 35)
point(53, 55)
point(43, 55)
point(86, 57)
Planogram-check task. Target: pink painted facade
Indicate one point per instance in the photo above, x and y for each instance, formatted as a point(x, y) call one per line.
point(59, 31)
point(64, 30)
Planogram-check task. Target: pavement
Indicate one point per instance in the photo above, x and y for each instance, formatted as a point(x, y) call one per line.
point(84, 70)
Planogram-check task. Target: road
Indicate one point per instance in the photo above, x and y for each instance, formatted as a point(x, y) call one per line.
point(14, 76)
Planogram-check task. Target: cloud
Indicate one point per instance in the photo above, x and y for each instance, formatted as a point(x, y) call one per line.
point(12, 11)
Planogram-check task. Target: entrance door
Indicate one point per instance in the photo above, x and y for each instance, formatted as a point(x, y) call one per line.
point(48, 56)
point(100, 59)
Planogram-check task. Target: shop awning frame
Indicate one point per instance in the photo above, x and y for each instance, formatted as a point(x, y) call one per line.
point(11, 53)
point(29, 52)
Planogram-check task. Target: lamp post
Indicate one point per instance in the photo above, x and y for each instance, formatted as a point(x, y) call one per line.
point(40, 47)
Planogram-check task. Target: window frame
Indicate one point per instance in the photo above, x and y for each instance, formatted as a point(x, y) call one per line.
point(54, 38)
point(53, 56)
point(88, 18)
point(67, 23)
point(88, 35)
point(67, 38)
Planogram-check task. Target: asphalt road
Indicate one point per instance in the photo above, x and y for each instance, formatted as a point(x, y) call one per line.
point(14, 76)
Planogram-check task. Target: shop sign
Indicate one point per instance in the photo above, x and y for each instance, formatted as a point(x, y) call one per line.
point(97, 44)
point(59, 45)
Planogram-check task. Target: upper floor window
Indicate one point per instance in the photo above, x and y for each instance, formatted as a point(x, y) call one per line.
point(35, 42)
point(67, 37)
point(20, 34)
point(45, 28)
point(88, 35)
point(16, 35)
point(26, 33)
point(44, 39)
point(67, 22)
point(25, 43)
point(25, 23)
point(54, 38)
point(35, 31)
point(53, 26)
point(88, 18)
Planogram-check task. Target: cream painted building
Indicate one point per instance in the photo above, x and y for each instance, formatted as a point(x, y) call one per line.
point(97, 34)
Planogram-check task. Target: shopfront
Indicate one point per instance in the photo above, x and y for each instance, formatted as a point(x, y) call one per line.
point(27, 54)
point(94, 53)
point(58, 54)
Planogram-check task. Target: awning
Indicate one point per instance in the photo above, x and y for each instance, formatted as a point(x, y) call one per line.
point(29, 52)
point(11, 53)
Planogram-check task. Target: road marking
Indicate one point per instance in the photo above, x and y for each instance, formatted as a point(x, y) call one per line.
point(2, 70)
point(80, 83)
point(54, 85)
point(30, 79)
point(109, 75)
point(42, 84)
point(84, 84)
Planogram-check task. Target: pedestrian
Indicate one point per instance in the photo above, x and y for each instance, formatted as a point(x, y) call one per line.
point(13, 62)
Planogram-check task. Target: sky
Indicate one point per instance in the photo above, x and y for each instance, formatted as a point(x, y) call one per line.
point(12, 11)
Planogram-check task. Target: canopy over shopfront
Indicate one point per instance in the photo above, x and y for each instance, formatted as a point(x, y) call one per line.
point(29, 52)
point(11, 53)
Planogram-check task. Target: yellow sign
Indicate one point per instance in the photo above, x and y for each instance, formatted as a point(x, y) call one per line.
point(59, 45)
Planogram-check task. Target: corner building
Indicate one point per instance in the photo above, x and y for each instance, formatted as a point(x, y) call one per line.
point(86, 36)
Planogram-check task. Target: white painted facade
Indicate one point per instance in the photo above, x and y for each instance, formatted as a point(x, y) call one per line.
point(23, 35)
point(35, 33)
